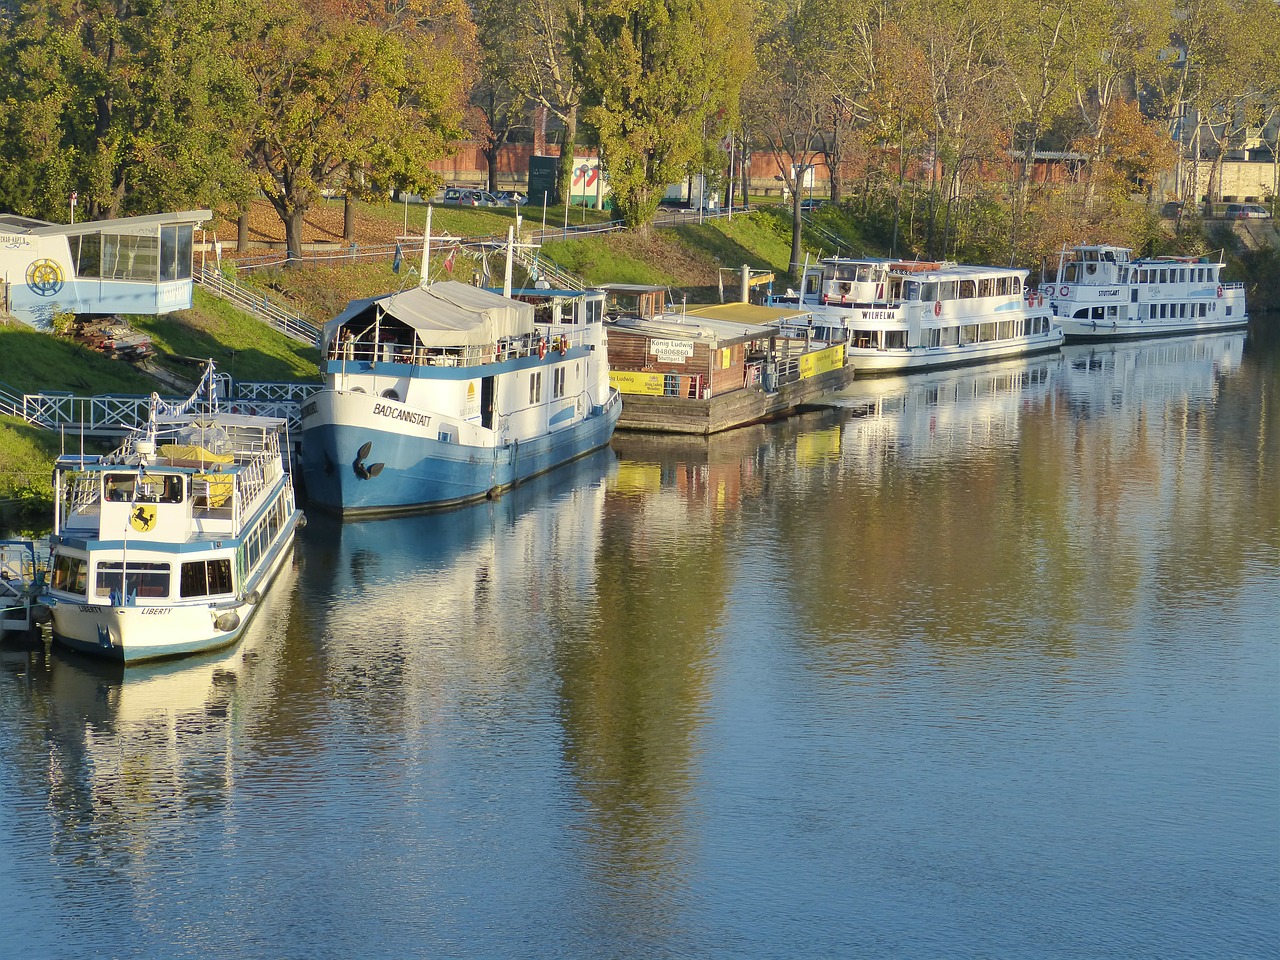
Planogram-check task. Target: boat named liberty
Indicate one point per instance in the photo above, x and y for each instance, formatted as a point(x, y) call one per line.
point(166, 546)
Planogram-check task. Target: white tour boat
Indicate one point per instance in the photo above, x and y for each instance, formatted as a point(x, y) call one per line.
point(1101, 294)
point(901, 315)
point(166, 546)
point(447, 393)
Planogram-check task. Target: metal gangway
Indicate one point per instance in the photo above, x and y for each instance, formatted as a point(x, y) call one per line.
point(115, 415)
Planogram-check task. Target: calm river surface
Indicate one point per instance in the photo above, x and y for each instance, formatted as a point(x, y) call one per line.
point(981, 664)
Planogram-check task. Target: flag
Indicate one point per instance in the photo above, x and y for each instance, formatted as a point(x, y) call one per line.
point(448, 261)
point(395, 261)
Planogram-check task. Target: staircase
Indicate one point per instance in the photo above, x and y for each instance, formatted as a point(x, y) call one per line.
point(273, 313)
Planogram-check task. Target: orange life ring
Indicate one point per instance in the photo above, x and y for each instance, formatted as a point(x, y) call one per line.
point(542, 348)
point(937, 308)
point(564, 346)
point(1219, 290)
point(1039, 299)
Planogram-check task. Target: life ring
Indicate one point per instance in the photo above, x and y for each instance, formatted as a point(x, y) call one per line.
point(1039, 299)
point(1065, 291)
point(564, 346)
point(1219, 290)
point(542, 348)
point(937, 308)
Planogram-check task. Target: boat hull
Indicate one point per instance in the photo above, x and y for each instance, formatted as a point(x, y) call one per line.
point(133, 634)
point(1081, 331)
point(406, 471)
point(880, 362)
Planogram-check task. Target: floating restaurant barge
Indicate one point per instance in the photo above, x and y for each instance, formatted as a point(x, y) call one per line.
point(712, 368)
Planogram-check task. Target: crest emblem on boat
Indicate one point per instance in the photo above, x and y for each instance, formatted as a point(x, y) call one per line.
point(143, 517)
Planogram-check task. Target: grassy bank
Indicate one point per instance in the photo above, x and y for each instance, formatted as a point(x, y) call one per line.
point(26, 472)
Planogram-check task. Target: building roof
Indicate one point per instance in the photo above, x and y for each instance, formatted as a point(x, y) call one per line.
point(687, 326)
point(748, 313)
point(13, 223)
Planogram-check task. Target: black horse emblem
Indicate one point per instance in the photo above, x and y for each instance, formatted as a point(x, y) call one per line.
point(372, 470)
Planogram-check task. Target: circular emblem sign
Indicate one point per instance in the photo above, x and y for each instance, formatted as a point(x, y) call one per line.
point(142, 518)
point(44, 277)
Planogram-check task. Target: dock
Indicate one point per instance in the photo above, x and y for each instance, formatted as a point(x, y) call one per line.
point(725, 411)
point(22, 578)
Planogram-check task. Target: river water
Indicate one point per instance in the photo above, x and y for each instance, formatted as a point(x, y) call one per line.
point(984, 663)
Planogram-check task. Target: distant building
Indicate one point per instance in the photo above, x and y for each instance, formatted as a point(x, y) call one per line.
point(139, 265)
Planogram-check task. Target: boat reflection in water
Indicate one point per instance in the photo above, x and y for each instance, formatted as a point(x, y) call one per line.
point(1131, 375)
point(945, 414)
point(133, 751)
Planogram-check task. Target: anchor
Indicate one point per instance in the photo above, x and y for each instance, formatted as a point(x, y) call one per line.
point(372, 470)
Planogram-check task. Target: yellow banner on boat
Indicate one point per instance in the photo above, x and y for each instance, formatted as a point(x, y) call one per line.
point(820, 361)
point(633, 382)
point(183, 454)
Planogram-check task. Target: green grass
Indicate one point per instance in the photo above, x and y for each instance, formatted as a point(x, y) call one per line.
point(473, 221)
point(240, 345)
point(31, 361)
point(26, 470)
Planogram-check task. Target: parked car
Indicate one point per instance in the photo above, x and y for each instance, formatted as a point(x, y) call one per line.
point(464, 197)
point(1247, 211)
point(512, 198)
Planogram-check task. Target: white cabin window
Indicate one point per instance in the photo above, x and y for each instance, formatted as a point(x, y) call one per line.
point(557, 382)
point(71, 574)
point(535, 387)
point(203, 578)
point(123, 582)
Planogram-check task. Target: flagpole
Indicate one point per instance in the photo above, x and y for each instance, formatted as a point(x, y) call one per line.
point(506, 280)
point(426, 250)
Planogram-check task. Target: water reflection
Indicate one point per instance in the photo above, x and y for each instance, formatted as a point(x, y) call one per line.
point(1001, 629)
point(121, 766)
point(944, 414)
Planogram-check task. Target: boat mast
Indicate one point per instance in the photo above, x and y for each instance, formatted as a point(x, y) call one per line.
point(426, 250)
point(511, 249)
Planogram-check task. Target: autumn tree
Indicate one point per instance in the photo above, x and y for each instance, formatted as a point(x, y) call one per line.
point(132, 104)
point(658, 80)
point(499, 106)
point(333, 95)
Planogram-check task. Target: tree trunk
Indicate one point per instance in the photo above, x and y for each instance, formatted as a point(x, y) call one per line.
point(490, 152)
point(568, 143)
point(348, 219)
point(796, 224)
point(293, 221)
point(242, 232)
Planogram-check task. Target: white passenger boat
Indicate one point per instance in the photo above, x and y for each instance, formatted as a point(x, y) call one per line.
point(166, 546)
point(901, 315)
point(1100, 293)
point(447, 393)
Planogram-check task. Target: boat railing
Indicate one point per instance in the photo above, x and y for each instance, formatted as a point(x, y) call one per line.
point(250, 481)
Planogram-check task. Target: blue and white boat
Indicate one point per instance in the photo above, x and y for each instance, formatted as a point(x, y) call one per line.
point(1100, 293)
point(899, 316)
point(166, 546)
point(447, 393)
